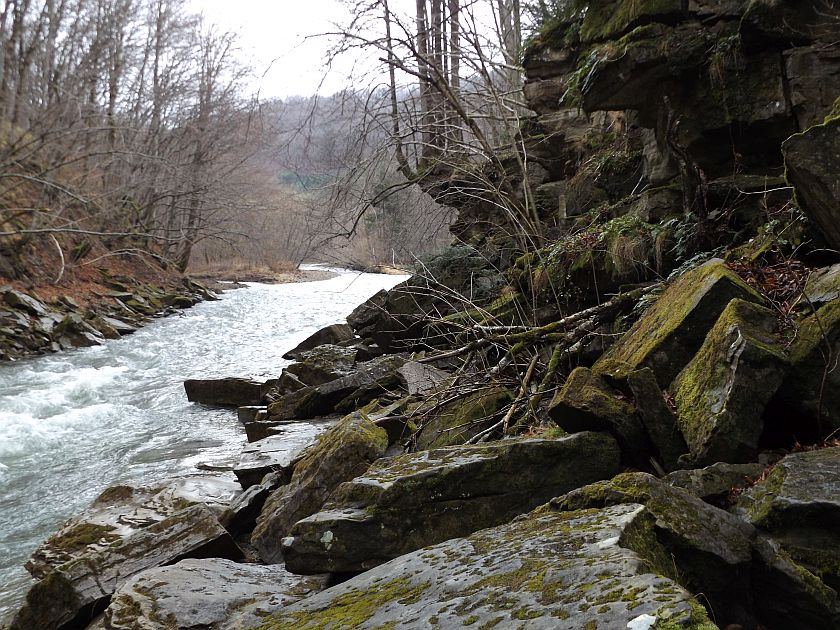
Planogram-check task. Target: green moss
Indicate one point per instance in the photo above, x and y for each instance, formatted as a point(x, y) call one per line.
point(81, 535)
point(696, 618)
point(661, 333)
point(702, 390)
point(471, 620)
point(114, 494)
point(351, 610)
point(605, 19)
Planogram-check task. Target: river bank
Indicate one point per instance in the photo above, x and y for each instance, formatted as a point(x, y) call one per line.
point(73, 423)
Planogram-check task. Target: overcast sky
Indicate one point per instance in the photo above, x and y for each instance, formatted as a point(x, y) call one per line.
point(277, 30)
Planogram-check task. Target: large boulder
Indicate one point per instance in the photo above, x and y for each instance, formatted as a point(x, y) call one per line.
point(671, 331)
point(407, 502)
point(212, 594)
point(587, 403)
point(812, 159)
point(717, 483)
point(547, 570)
point(798, 504)
point(343, 452)
point(722, 394)
point(80, 588)
point(323, 364)
point(225, 392)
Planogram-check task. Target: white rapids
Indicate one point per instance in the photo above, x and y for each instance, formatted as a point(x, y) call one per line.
point(74, 423)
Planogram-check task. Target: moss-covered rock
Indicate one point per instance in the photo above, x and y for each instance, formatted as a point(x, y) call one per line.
point(457, 421)
point(657, 417)
point(340, 454)
point(410, 501)
point(587, 403)
point(547, 570)
point(711, 549)
point(74, 592)
point(722, 393)
point(607, 19)
point(812, 159)
point(672, 330)
point(798, 504)
point(323, 364)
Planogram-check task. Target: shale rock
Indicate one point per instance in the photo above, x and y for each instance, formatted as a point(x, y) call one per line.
point(711, 548)
point(658, 419)
point(721, 395)
point(212, 594)
point(407, 502)
point(811, 390)
point(277, 453)
point(80, 588)
point(715, 483)
point(333, 334)
point(459, 420)
point(587, 403)
point(671, 331)
point(366, 382)
point(798, 504)
point(225, 392)
point(323, 364)
point(547, 570)
point(340, 454)
point(813, 167)
point(122, 511)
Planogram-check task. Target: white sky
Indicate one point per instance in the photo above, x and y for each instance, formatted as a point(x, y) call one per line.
point(277, 30)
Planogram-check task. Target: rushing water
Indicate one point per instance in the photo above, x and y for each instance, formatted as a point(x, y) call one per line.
point(74, 423)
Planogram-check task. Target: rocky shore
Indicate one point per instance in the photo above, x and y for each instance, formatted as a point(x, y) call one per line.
point(632, 426)
point(30, 325)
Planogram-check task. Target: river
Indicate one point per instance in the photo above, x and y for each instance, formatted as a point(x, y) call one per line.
point(77, 422)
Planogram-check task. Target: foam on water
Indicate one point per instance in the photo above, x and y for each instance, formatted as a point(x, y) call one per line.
point(75, 423)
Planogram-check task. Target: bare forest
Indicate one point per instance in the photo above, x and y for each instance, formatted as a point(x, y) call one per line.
point(134, 123)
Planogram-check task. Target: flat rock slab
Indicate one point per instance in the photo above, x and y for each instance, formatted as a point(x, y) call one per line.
point(214, 594)
point(722, 393)
point(713, 484)
point(276, 453)
point(224, 392)
point(671, 331)
point(547, 570)
point(121, 511)
point(407, 502)
point(798, 504)
point(80, 588)
point(339, 454)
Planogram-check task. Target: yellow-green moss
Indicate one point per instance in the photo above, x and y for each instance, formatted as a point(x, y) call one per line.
point(606, 19)
point(81, 535)
point(351, 610)
point(657, 330)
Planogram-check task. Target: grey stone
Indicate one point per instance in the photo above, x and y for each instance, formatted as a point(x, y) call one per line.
point(225, 392)
point(407, 502)
point(80, 588)
point(722, 393)
point(332, 334)
point(340, 454)
point(547, 570)
point(212, 594)
point(714, 484)
point(798, 504)
point(658, 419)
point(276, 453)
